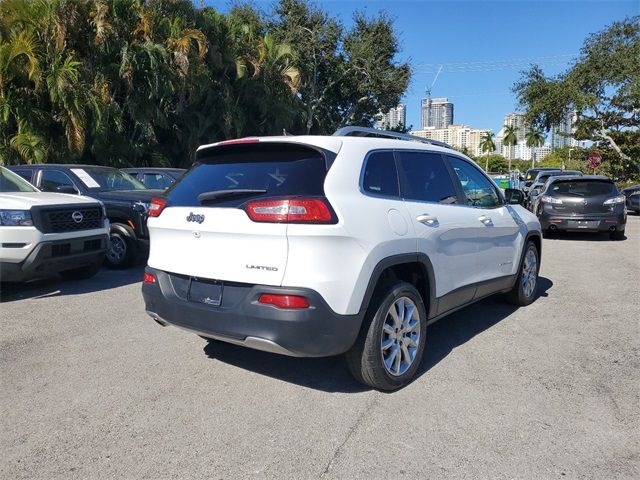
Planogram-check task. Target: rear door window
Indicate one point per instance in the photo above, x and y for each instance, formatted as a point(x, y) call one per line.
point(268, 170)
point(424, 177)
point(380, 175)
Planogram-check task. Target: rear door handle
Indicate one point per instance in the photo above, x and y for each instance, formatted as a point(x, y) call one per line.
point(427, 220)
point(486, 220)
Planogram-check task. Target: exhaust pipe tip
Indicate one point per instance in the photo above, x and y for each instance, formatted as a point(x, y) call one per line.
point(612, 228)
point(552, 227)
point(157, 319)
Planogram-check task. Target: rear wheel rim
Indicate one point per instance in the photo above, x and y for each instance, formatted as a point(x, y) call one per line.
point(400, 336)
point(117, 249)
point(529, 273)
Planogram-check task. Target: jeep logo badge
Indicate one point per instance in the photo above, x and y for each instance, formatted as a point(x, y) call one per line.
point(77, 216)
point(195, 218)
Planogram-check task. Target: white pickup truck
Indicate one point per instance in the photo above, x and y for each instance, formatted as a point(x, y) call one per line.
point(42, 234)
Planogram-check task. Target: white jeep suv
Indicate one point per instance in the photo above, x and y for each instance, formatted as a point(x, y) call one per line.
point(321, 245)
point(45, 233)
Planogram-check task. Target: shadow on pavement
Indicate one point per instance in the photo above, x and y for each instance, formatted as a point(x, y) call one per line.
point(331, 375)
point(55, 286)
point(582, 236)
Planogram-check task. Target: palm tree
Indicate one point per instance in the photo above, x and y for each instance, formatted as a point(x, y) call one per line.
point(487, 145)
point(535, 139)
point(510, 138)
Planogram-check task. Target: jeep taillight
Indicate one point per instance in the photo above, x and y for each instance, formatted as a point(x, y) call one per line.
point(294, 210)
point(157, 206)
point(288, 302)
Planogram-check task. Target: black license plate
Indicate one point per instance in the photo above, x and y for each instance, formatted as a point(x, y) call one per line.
point(208, 292)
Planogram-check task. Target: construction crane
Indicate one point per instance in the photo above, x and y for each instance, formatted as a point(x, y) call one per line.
point(428, 90)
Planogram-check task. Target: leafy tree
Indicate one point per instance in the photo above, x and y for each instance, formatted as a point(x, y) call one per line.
point(487, 145)
point(534, 138)
point(144, 82)
point(345, 77)
point(510, 138)
point(601, 85)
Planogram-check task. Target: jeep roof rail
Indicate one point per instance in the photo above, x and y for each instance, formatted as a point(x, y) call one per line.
point(373, 132)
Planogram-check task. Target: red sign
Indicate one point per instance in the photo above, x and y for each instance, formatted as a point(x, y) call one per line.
point(595, 160)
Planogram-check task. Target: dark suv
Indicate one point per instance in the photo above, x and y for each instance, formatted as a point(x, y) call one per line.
point(632, 195)
point(126, 201)
point(152, 177)
point(582, 203)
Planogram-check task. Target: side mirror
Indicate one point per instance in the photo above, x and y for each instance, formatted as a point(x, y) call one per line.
point(514, 196)
point(67, 189)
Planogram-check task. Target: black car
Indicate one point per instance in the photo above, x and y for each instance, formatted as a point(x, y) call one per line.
point(538, 184)
point(582, 203)
point(632, 195)
point(531, 175)
point(160, 178)
point(125, 199)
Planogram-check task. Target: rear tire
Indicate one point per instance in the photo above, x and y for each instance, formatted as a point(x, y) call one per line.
point(617, 235)
point(524, 292)
point(391, 342)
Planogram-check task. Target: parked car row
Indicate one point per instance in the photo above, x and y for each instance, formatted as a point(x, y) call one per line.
point(568, 200)
point(48, 233)
point(306, 246)
point(126, 200)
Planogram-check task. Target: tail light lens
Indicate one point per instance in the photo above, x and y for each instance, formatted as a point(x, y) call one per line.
point(295, 210)
point(615, 200)
point(284, 301)
point(157, 206)
point(149, 278)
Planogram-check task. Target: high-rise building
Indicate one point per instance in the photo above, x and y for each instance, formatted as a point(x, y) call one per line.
point(459, 136)
point(436, 112)
point(516, 120)
point(392, 118)
point(562, 134)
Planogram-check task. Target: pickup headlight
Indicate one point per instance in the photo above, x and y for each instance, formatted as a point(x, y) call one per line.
point(16, 218)
point(615, 200)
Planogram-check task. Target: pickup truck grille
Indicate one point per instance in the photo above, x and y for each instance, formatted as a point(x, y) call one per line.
point(71, 219)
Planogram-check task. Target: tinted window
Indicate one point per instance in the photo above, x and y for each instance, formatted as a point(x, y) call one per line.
point(157, 180)
point(478, 189)
point(106, 178)
point(26, 174)
point(583, 188)
point(380, 175)
point(424, 177)
point(288, 170)
point(52, 179)
point(10, 182)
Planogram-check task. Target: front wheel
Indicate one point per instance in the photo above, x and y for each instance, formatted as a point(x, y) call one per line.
point(526, 288)
point(121, 253)
point(388, 350)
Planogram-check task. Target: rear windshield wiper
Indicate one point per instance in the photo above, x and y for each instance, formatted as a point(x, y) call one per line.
point(227, 194)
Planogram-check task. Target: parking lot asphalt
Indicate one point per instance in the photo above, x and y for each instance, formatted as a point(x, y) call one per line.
point(92, 388)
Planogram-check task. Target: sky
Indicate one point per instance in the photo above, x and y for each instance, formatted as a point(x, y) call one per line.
point(482, 45)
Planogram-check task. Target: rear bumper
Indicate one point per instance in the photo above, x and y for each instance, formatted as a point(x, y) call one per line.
point(313, 332)
point(49, 258)
point(587, 222)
